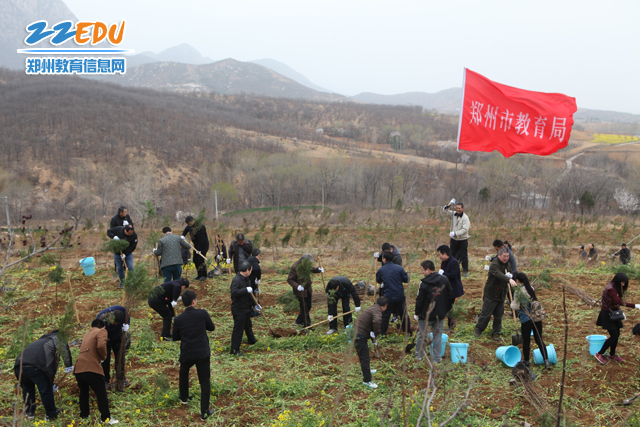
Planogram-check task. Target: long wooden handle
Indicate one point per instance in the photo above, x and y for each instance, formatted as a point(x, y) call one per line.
point(327, 320)
point(512, 310)
point(198, 252)
point(228, 257)
point(321, 273)
point(263, 315)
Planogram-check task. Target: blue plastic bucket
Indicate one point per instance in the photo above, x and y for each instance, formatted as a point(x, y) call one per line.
point(509, 355)
point(88, 266)
point(458, 352)
point(595, 343)
point(551, 354)
point(445, 338)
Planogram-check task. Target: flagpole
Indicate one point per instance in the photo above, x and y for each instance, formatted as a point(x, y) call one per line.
point(464, 77)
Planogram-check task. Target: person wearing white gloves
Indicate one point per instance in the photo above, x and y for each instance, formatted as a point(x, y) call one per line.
point(117, 323)
point(124, 257)
point(121, 218)
point(163, 299)
point(434, 288)
point(499, 244)
point(200, 241)
point(300, 281)
point(369, 323)
point(451, 269)
point(391, 277)
point(36, 367)
point(256, 275)
point(612, 301)
point(242, 304)
point(459, 234)
point(169, 248)
point(340, 288)
point(495, 291)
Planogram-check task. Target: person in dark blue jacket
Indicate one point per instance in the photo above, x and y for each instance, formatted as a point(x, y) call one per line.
point(163, 299)
point(117, 321)
point(450, 267)
point(190, 328)
point(340, 288)
point(391, 277)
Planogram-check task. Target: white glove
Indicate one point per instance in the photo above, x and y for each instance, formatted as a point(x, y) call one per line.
point(638, 306)
point(509, 275)
point(257, 281)
point(329, 318)
point(452, 234)
point(249, 289)
point(173, 303)
point(372, 335)
point(486, 268)
point(117, 238)
point(415, 316)
point(589, 259)
point(69, 369)
point(321, 269)
point(125, 327)
point(259, 307)
point(381, 285)
point(179, 298)
point(218, 257)
point(453, 201)
point(376, 254)
point(358, 309)
point(55, 388)
point(441, 272)
point(123, 256)
point(228, 260)
point(300, 288)
point(487, 258)
point(125, 222)
point(182, 237)
point(514, 305)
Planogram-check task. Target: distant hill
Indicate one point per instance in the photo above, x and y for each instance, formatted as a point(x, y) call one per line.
point(287, 71)
point(15, 15)
point(184, 53)
point(227, 77)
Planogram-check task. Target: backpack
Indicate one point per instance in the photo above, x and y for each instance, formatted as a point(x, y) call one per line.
point(537, 313)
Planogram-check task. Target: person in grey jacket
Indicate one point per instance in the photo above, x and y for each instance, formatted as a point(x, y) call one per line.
point(499, 244)
point(36, 366)
point(169, 249)
point(459, 235)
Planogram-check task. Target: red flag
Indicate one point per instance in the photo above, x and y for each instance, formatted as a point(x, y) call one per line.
point(511, 120)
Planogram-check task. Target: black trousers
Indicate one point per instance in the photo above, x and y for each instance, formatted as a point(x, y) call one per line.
point(450, 320)
point(200, 263)
point(459, 252)
point(33, 377)
point(241, 323)
point(526, 329)
point(94, 381)
point(612, 341)
point(114, 346)
point(305, 308)
point(399, 308)
point(362, 348)
point(333, 311)
point(166, 312)
point(203, 367)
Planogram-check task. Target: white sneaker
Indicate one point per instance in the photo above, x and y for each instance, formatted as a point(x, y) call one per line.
point(111, 421)
point(331, 332)
point(371, 384)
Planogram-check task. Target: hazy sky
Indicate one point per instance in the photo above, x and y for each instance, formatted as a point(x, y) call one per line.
point(586, 49)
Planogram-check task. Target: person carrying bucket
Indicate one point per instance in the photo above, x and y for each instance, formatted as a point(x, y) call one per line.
point(527, 324)
point(611, 302)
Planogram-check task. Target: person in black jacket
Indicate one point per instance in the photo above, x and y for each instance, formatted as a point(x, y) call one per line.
point(116, 320)
point(239, 250)
point(124, 232)
point(256, 275)
point(625, 254)
point(241, 307)
point(434, 288)
point(163, 299)
point(200, 241)
point(388, 247)
point(340, 288)
point(36, 366)
point(121, 219)
point(191, 329)
point(450, 268)
point(391, 277)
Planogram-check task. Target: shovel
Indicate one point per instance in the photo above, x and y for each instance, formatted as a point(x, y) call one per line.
point(516, 339)
point(265, 319)
point(375, 345)
point(325, 321)
point(628, 401)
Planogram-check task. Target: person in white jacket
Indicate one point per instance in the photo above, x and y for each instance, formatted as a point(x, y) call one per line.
point(459, 234)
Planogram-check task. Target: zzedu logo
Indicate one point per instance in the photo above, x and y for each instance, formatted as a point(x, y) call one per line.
point(82, 33)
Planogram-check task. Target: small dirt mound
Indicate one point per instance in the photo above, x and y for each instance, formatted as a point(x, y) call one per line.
point(285, 332)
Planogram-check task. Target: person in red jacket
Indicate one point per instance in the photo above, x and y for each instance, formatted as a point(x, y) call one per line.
point(611, 301)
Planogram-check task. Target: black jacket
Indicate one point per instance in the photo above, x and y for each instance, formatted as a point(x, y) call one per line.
point(241, 301)
point(118, 221)
point(119, 231)
point(256, 273)
point(43, 355)
point(114, 331)
point(434, 287)
point(198, 235)
point(346, 288)
point(497, 282)
point(234, 250)
point(397, 256)
point(451, 269)
point(392, 275)
point(168, 292)
point(191, 329)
